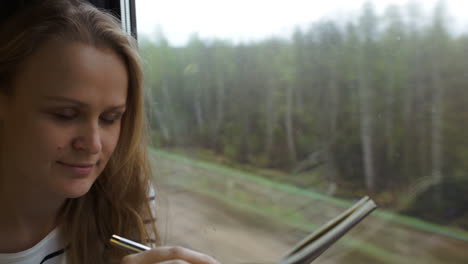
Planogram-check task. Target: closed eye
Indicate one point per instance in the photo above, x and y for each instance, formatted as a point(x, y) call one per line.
point(64, 117)
point(108, 121)
point(111, 118)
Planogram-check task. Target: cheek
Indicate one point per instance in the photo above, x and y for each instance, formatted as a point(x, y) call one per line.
point(53, 135)
point(109, 142)
point(34, 146)
point(50, 143)
point(36, 134)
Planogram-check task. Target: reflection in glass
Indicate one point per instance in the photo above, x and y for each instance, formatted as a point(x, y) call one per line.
point(282, 133)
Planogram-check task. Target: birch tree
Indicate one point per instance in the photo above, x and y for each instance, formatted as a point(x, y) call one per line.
point(368, 28)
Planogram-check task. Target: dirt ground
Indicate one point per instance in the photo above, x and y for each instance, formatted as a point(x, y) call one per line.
point(200, 223)
point(236, 236)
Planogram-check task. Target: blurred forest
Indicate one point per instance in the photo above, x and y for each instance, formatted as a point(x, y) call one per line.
point(377, 105)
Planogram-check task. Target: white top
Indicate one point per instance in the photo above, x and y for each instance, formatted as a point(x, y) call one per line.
point(50, 250)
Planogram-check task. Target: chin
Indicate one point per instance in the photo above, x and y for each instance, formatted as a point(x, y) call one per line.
point(76, 188)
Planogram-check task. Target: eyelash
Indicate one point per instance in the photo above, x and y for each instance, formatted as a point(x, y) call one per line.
point(109, 121)
point(66, 118)
point(63, 117)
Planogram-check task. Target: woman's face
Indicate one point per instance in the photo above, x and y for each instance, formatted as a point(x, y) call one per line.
point(63, 121)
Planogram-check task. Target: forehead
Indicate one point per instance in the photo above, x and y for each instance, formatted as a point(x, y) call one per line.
point(76, 70)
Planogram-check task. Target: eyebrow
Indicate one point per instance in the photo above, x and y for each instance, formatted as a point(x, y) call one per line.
point(79, 103)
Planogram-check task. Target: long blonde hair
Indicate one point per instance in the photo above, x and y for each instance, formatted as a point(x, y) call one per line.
point(117, 203)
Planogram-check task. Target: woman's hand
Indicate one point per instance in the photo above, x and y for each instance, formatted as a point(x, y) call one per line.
point(169, 255)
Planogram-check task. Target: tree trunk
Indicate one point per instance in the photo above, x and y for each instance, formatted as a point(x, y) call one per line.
point(333, 109)
point(168, 110)
point(289, 125)
point(270, 119)
point(436, 135)
point(219, 114)
point(161, 121)
point(388, 119)
point(198, 109)
point(366, 129)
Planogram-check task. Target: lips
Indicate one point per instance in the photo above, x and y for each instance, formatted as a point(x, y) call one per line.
point(80, 169)
point(78, 165)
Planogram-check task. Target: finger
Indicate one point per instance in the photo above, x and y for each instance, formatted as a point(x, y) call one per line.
point(160, 254)
point(177, 261)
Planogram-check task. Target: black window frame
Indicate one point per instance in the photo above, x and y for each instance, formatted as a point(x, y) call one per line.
point(125, 10)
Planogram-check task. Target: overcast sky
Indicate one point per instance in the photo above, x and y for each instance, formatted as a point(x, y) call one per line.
point(244, 20)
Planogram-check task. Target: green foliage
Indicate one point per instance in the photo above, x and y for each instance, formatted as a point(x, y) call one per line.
point(443, 203)
point(286, 104)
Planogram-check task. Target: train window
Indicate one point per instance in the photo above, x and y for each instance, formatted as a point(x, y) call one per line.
point(269, 118)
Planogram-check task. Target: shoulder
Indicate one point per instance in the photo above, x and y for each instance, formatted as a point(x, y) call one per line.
point(151, 220)
point(152, 198)
point(51, 249)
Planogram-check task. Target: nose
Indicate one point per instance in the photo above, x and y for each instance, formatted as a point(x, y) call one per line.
point(88, 140)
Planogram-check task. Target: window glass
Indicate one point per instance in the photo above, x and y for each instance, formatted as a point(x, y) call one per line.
point(269, 118)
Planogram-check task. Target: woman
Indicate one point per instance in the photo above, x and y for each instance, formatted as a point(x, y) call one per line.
point(73, 164)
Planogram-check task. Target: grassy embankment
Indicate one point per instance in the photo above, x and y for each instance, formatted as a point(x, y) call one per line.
point(244, 196)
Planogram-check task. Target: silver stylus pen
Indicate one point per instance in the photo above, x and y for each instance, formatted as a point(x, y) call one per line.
point(128, 244)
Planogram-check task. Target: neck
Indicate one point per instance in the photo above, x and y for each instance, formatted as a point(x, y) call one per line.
point(27, 216)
